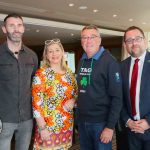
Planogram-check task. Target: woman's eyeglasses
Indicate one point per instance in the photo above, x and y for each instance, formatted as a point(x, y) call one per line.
point(47, 42)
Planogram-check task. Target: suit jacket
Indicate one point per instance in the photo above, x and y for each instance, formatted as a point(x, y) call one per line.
point(144, 93)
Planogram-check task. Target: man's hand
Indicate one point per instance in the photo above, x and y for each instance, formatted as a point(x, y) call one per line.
point(138, 126)
point(106, 135)
point(143, 124)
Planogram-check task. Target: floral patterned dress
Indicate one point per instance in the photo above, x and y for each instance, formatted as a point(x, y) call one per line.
point(50, 91)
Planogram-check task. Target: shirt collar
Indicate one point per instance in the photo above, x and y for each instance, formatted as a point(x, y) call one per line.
point(96, 56)
point(22, 47)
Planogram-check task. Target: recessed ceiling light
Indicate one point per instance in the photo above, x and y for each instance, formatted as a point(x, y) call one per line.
point(82, 7)
point(95, 10)
point(72, 34)
point(114, 15)
point(143, 22)
point(37, 30)
point(71, 5)
point(56, 32)
point(130, 19)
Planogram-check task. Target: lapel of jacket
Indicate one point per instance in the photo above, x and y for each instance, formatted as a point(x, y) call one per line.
point(127, 86)
point(145, 72)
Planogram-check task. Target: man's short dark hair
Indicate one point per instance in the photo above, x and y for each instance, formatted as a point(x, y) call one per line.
point(133, 28)
point(15, 15)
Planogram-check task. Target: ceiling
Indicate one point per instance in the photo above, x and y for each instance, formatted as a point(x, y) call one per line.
point(47, 19)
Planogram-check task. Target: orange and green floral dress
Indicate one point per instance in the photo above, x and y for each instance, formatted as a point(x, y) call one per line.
point(50, 91)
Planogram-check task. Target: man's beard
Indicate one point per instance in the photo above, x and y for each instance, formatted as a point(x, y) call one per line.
point(12, 37)
point(135, 51)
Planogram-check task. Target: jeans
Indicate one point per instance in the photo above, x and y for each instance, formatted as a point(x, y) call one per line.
point(89, 136)
point(22, 131)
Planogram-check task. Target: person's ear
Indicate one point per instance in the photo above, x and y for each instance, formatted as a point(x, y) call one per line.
point(4, 29)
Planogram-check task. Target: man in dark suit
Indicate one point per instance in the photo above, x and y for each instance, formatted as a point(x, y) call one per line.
point(136, 89)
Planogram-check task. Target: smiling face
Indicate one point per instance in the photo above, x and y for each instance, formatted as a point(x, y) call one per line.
point(54, 54)
point(90, 41)
point(135, 43)
point(14, 29)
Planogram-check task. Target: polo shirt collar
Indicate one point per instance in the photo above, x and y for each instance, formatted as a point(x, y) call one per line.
point(96, 56)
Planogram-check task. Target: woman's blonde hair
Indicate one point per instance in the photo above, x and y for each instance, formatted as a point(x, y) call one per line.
point(48, 43)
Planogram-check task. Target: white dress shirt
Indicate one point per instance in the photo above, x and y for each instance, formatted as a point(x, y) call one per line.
point(140, 68)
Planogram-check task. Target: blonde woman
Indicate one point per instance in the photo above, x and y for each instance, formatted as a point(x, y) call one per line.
point(54, 91)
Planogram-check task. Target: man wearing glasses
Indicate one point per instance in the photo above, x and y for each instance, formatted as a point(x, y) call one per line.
point(17, 67)
point(100, 93)
point(136, 89)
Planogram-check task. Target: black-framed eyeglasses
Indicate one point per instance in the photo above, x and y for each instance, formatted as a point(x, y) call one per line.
point(137, 39)
point(47, 42)
point(89, 37)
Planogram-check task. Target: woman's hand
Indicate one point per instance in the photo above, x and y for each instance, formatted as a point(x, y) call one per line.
point(69, 104)
point(45, 134)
